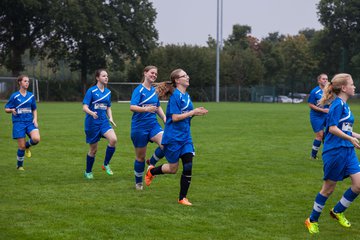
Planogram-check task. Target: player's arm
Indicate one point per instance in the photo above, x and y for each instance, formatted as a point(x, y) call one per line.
point(195, 112)
point(35, 117)
point(109, 114)
point(318, 109)
point(337, 132)
point(88, 111)
point(10, 110)
point(161, 113)
point(135, 108)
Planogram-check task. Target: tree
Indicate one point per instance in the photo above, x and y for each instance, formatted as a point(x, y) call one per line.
point(95, 34)
point(23, 25)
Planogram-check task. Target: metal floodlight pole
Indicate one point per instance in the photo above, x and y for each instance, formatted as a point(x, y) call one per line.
point(218, 51)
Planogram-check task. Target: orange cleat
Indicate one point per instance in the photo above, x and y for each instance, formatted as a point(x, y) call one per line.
point(185, 202)
point(149, 177)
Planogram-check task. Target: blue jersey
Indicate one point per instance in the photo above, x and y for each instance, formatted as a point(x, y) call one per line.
point(24, 106)
point(314, 98)
point(98, 102)
point(177, 131)
point(143, 97)
point(339, 115)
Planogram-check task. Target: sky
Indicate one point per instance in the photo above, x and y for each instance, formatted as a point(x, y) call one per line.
point(191, 21)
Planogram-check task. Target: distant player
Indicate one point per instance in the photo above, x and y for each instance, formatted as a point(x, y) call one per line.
point(22, 106)
point(339, 156)
point(177, 140)
point(97, 105)
point(144, 125)
point(317, 114)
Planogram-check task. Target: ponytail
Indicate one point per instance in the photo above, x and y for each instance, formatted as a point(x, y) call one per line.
point(333, 88)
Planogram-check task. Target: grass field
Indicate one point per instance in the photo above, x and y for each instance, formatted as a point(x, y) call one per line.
point(252, 179)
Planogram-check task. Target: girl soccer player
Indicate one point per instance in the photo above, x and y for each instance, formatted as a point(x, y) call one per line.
point(177, 140)
point(22, 106)
point(97, 106)
point(317, 114)
point(144, 126)
point(339, 157)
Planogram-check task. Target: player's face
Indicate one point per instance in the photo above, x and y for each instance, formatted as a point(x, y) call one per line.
point(151, 75)
point(183, 79)
point(323, 80)
point(103, 77)
point(349, 88)
point(25, 83)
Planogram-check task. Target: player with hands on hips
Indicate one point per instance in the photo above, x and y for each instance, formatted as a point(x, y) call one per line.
point(97, 106)
point(22, 106)
point(145, 128)
point(339, 157)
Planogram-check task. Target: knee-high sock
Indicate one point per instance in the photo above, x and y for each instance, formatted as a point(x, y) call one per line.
point(20, 157)
point(315, 148)
point(158, 154)
point(29, 143)
point(108, 155)
point(348, 197)
point(89, 163)
point(185, 176)
point(319, 204)
point(139, 171)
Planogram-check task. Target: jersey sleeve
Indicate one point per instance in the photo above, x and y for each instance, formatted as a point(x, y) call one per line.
point(135, 97)
point(312, 98)
point(10, 103)
point(33, 103)
point(87, 98)
point(334, 114)
point(175, 107)
point(109, 103)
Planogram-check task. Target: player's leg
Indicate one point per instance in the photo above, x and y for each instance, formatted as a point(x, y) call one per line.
point(316, 144)
point(159, 153)
point(20, 153)
point(110, 150)
point(34, 139)
point(139, 166)
point(185, 180)
point(90, 159)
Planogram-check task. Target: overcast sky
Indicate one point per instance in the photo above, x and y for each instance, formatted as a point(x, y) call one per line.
point(191, 21)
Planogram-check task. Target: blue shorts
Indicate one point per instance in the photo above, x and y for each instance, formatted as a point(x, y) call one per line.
point(141, 138)
point(97, 132)
point(21, 129)
point(173, 152)
point(317, 123)
point(339, 163)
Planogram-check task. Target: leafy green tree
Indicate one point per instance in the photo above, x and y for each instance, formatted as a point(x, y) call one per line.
point(24, 24)
point(96, 34)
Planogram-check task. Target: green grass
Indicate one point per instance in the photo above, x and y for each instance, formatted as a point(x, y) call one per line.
point(252, 179)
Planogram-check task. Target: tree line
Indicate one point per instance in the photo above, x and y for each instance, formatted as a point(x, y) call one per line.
point(120, 35)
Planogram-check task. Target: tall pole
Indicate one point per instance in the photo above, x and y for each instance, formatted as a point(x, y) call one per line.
point(217, 53)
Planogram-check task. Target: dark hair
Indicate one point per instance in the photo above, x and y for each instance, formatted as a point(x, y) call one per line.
point(20, 78)
point(97, 74)
point(146, 69)
point(166, 89)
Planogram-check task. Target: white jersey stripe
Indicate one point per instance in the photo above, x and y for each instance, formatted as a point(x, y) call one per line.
point(348, 116)
point(101, 98)
point(25, 101)
point(187, 104)
point(147, 99)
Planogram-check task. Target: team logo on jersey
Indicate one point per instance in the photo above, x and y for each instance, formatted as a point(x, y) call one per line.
point(346, 127)
point(23, 110)
point(101, 106)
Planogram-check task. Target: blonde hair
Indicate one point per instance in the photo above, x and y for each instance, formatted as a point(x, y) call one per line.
point(165, 89)
point(333, 88)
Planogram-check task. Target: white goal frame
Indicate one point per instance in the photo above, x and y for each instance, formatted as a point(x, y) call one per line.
point(12, 83)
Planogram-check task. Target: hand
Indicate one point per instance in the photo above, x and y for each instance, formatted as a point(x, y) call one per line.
point(200, 111)
point(112, 122)
point(355, 142)
point(13, 111)
point(94, 115)
point(151, 109)
point(325, 110)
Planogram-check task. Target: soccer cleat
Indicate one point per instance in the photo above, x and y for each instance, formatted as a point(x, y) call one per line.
point(139, 186)
point(89, 175)
point(107, 169)
point(314, 158)
point(149, 177)
point(21, 168)
point(185, 202)
point(313, 227)
point(28, 152)
point(340, 217)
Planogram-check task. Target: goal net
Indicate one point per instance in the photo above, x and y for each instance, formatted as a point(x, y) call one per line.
point(122, 91)
point(8, 85)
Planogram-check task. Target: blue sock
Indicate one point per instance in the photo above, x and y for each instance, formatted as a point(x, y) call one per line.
point(139, 170)
point(20, 157)
point(318, 207)
point(348, 197)
point(89, 163)
point(29, 143)
point(315, 148)
point(109, 153)
point(158, 154)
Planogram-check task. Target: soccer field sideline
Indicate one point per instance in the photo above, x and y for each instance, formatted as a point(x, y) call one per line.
point(251, 180)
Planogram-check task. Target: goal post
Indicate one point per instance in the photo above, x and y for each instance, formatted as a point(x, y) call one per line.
point(8, 85)
point(122, 91)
